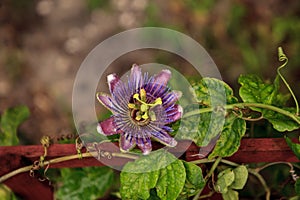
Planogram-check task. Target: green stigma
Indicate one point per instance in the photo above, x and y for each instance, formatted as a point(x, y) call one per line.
point(140, 109)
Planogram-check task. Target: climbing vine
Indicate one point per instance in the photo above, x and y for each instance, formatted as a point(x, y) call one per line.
point(159, 174)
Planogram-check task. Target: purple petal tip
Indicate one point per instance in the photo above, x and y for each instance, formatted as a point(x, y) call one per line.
point(107, 127)
point(126, 144)
point(112, 80)
point(99, 129)
point(146, 152)
point(105, 100)
point(163, 77)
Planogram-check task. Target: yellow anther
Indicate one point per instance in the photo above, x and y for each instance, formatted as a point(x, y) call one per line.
point(136, 96)
point(158, 101)
point(142, 107)
point(138, 117)
point(131, 105)
point(145, 115)
point(143, 95)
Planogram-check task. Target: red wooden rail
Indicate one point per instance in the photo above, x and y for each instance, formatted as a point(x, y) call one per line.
point(14, 157)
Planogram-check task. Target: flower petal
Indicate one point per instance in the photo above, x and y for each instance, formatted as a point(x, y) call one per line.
point(167, 128)
point(127, 142)
point(174, 114)
point(171, 98)
point(144, 143)
point(136, 78)
point(163, 77)
point(107, 127)
point(112, 81)
point(164, 138)
point(155, 90)
point(104, 99)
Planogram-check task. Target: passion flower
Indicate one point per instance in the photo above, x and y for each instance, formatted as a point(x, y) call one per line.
point(142, 108)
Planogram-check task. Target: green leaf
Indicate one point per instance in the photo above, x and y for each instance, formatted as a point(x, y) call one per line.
point(160, 170)
point(294, 146)
point(213, 92)
point(230, 179)
point(297, 186)
point(225, 179)
point(10, 121)
point(280, 99)
point(6, 193)
point(281, 122)
point(137, 185)
point(194, 180)
point(194, 175)
point(230, 138)
point(240, 177)
point(84, 183)
point(200, 128)
point(230, 195)
point(171, 180)
point(255, 90)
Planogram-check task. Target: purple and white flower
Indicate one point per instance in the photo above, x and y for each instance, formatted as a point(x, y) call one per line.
point(142, 108)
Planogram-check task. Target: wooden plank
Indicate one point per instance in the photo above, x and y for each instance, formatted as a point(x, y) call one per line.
point(264, 150)
point(23, 185)
point(13, 157)
point(255, 151)
point(251, 150)
point(28, 188)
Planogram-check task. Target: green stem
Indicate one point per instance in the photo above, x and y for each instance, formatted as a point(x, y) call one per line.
point(62, 159)
point(206, 160)
point(282, 57)
point(262, 181)
point(254, 172)
point(227, 162)
point(274, 163)
point(15, 172)
point(211, 171)
point(202, 161)
point(241, 105)
point(207, 195)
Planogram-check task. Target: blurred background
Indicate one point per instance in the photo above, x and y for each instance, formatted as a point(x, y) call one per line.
point(42, 44)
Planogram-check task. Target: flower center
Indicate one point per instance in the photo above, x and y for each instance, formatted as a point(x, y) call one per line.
point(140, 110)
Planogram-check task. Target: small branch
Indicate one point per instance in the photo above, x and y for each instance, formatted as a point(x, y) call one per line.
point(15, 172)
point(62, 159)
point(292, 171)
point(248, 118)
point(207, 195)
point(47, 162)
point(227, 162)
point(206, 160)
point(202, 161)
point(242, 105)
point(282, 57)
point(211, 171)
point(273, 163)
point(254, 172)
point(262, 181)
